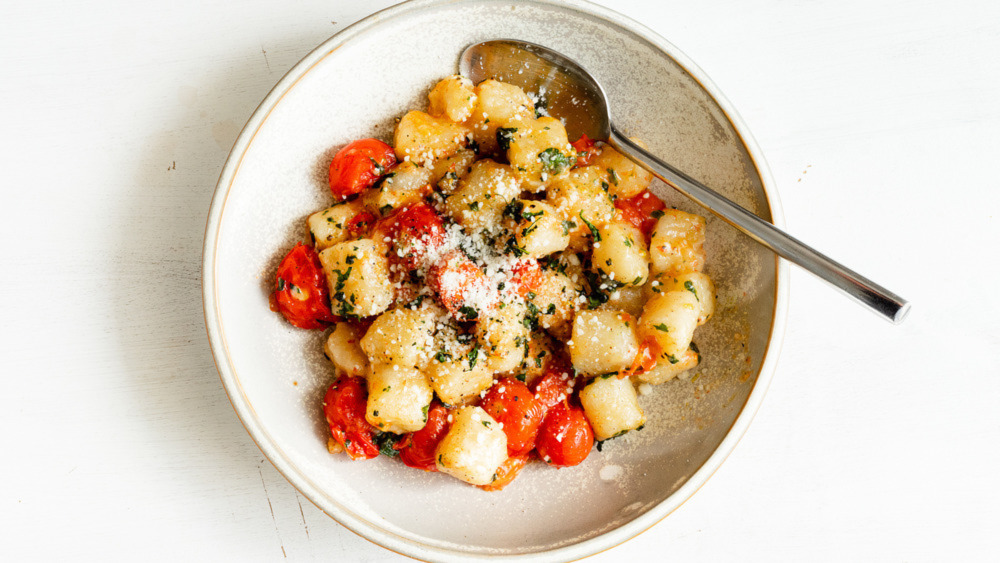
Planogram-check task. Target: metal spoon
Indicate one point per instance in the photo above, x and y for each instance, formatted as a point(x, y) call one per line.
point(573, 94)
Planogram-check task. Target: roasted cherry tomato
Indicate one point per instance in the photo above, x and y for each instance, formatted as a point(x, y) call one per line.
point(565, 436)
point(506, 472)
point(526, 276)
point(641, 210)
point(585, 150)
point(417, 448)
point(358, 166)
point(510, 403)
point(645, 358)
point(462, 287)
point(414, 232)
point(300, 289)
point(553, 386)
point(344, 407)
point(360, 224)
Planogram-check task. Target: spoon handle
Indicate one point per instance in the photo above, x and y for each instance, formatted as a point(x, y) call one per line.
point(877, 298)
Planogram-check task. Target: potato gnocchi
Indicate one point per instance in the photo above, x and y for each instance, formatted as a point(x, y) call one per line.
point(496, 292)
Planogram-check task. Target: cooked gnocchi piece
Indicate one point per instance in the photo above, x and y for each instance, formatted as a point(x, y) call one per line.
point(358, 275)
point(454, 98)
point(398, 398)
point(423, 138)
point(474, 447)
point(343, 347)
point(331, 225)
point(611, 406)
point(603, 342)
point(677, 245)
point(670, 319)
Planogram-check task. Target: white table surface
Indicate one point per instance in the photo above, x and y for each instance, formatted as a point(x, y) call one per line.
point(880, 121)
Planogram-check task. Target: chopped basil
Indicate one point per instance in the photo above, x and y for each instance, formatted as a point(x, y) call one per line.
point(690, 287)
point(593, 229)
point(504, 137)
point(553, 161)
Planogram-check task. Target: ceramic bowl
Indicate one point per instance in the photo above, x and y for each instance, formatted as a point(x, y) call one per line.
point(353, 86)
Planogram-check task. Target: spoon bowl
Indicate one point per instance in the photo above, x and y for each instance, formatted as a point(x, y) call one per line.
point(563, 88)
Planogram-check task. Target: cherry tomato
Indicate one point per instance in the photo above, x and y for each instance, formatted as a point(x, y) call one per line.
point(510, 403)
point(462, 287)
point(417, 449)
point(413, 231)
point(358, 166)
point(526, 276)
point(300, 289)
point(506, 472)
point(565, 436)
point(584, 150)
point(344, 407)
point(359, 225)
point(553, 386)
point(641, 210)
point(645, 358)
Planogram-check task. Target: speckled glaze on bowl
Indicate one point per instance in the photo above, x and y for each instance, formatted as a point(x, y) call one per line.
point(353, 86)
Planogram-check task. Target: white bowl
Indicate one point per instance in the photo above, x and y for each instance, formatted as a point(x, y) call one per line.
point(353, 86)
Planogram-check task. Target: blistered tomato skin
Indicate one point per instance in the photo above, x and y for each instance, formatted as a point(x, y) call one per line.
point(526, 276)
point(512, 404)
point(454, 278)
point(507, 472)
point(585, 150)
point(565, 437)
point(418, 447)
point(553, 386)
point(641, 211)
point(414, 232)
point(360, 224)
point(344, 407)
point(300, 289)
point(358, 166)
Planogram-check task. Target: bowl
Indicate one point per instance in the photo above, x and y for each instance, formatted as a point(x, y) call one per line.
point(353, 86)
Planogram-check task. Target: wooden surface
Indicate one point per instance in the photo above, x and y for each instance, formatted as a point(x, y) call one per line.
point(880, 124)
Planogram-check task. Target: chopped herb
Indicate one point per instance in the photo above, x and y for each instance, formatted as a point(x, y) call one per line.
point(690, 287)
point(657, 214)
point(593, 229)
point(468, 312)
point(504, 137)
point(553, 161)
point(281, 284)
point(474, 206)
point(673, 359)
point(442, 356)
point(473, 355)
point(551, 310)
point(567, 225)
point(350, 259)
point(628, 242)
point(486, 423)
point(662, 327)
point(613, 176)
point(384, 209)
point(424, 410)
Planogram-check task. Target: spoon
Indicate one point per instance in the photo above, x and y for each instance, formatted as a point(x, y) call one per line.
point(570, 92)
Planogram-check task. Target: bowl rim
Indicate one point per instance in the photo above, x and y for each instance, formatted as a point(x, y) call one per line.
point(361, 526)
